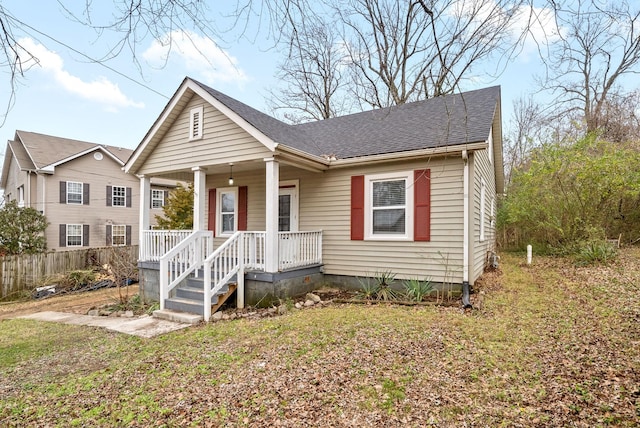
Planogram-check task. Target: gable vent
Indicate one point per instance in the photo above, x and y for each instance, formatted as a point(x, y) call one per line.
point(195, 123)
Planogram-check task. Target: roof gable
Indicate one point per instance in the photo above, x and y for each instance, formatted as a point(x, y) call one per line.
point(243, 117)
point(432, 124)
point(436, 122)
point(47, 151)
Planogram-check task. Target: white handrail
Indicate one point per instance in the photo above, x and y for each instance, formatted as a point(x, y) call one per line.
point(225, 262)
point(156, 243)
point(182, 260)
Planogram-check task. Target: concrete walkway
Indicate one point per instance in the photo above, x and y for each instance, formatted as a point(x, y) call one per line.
point(145, 326)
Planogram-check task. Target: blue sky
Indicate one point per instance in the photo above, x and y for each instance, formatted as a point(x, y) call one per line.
point(67, 95)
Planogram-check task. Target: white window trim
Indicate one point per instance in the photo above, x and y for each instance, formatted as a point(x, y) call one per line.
point(113, 235)
point(81, 193)
point(21, 196)
point(492, 218)
point(68, 235)
point(490, 146)
point(196, 111)
point(161, 198)
point(113, 196)
point(409, 206)
point(219, 193)
point(483, 197)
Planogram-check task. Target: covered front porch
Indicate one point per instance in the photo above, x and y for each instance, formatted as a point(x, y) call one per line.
point(220, 256)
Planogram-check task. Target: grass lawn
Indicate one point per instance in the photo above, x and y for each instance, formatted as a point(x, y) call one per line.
point(546, 345)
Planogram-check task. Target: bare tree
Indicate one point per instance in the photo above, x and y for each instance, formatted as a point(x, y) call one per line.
point(529, 128)
point(599, 45)
point(313, 74)
point(417, 49)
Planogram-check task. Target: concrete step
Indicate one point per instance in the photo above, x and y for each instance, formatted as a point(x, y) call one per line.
point(184, 305)
point(175, 316)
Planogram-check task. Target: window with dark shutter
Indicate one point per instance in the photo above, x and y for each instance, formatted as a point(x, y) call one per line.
point(85, 235)
point(85, 194)
point(357, 208)
point(422, 205)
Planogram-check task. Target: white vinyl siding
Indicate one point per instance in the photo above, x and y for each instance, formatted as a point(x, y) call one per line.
point(483, 235)
point(74, 192)
point(324, 204)
point(223, 142)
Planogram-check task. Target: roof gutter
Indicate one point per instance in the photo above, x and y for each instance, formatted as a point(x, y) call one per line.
point(296, 156)
point(412, 154)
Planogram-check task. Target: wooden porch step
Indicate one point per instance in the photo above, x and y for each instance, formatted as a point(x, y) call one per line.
point(190, 299)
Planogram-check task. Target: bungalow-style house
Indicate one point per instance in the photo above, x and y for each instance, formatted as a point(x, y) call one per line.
point(80, 187)
point(408, 189)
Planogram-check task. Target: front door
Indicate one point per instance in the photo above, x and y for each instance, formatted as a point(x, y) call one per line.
point(287, 222)
point(288, 209)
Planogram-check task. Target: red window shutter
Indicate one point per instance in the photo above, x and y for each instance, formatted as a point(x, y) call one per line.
point(357, 208)
point(212, 211)
point(422, 205)
point(242, 208)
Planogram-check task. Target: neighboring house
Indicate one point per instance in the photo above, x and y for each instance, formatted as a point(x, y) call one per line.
point(80, 187)
point(409, 189)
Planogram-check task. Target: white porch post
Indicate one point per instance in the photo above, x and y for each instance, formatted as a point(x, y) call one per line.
point(145, 206)
point(199, 191)
point(271, 215)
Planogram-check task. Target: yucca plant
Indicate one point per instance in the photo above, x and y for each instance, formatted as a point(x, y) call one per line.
point(417, 290)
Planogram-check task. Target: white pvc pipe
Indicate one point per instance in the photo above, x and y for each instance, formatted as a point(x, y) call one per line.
point(465, 218)
point(529, 254)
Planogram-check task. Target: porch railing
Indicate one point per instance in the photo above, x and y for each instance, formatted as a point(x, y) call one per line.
point(157, 243)
point(182, 260)
point(299, 249)
point(241, 251)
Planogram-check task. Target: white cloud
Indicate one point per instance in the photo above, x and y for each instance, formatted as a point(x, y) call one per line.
point(199, 54)
point(100, 90)
point(542, 28)
point(538, 22)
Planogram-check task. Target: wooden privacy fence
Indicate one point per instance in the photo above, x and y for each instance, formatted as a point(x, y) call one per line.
point(27, 271)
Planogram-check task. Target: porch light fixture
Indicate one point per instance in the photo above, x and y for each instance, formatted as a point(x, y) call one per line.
point(230, 174)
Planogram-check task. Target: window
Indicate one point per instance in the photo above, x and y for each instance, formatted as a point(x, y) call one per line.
point(21, 196)
point(74, 192)
point(389, 202)
point(118, 196)
point(118, 235)
point(392, 206)
point(74, 235)
point(228, 207)
point(157, 198)
point(195, 123)
point(483, 191)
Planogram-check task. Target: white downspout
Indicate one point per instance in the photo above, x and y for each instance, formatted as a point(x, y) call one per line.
point(465, 230)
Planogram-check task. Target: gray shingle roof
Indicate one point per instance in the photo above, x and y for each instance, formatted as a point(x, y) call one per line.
point(46, 149)
point(436, 122)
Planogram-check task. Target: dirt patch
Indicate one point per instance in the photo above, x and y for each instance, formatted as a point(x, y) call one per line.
point(76, 303)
